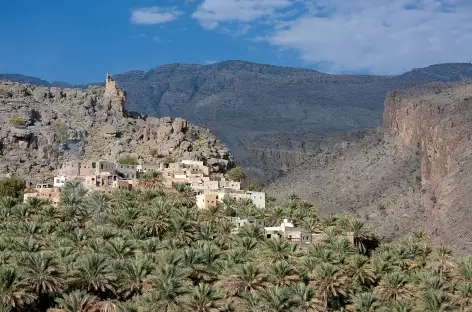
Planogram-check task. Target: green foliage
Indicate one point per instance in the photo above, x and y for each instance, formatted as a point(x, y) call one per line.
point(254, 187)
point(12, 187)
point(17, 121)
point(201, 142)
point(152, 250)
point(61, 131)
point(236, 174)
point(170, 159)
point(6, 94)
point(128, 160)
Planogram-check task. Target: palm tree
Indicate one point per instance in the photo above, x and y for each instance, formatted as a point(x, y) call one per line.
point(357, 233)
point(204, 299)
point(42, 273)
point(243, 279)
point(277, 249)
point(13, 289)
point(282, 273)
point(434, 301)
point(359, 269)
point(400, 306)
point(77, 301)
point(394, 286)
point(151, 180)
point(133, 277)
point(329, 281)
point(365, 302)
point(93, 273)
point(463, 273)
point(278, 298)
point(462, 297)
point(304, 296)
point(169, 291)
point(6, 308)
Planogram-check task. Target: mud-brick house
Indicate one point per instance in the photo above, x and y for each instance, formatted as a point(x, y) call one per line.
point(44, 191)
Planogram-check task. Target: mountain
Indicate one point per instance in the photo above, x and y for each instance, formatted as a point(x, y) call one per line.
point(41, 127)
point(273, 118)
point(412, 173)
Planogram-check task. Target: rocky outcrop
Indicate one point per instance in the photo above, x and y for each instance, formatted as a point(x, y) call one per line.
point(41, 127)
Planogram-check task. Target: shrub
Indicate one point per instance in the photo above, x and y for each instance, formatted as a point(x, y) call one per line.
point(153, 152)
point(17, 121)
point(128, 160)
point(12, 186)
point(254, 187)
point(236, 174)
point(61, 131)
point(5, 93)
point(200, 142)
point(170, 159)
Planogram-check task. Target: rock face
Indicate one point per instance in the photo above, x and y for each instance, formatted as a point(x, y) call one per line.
point(41, 127)
point(436, 121)
point(414, 173)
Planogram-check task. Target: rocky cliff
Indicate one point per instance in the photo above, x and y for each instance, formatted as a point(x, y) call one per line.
point(40, 127)
point(436, 121)
point(413, 173)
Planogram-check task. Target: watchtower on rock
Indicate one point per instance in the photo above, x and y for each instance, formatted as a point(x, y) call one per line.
point(116, 95)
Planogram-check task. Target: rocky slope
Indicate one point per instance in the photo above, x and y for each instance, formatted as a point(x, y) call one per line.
point(40, 127)
point(271, 117)
point(414, 173)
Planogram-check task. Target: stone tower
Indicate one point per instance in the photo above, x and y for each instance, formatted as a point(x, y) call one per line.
point(115, 96)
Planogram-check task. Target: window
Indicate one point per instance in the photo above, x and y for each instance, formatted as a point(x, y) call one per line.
point(268, 235)
point(101, 166)
point(58, 181)
point(94, 165)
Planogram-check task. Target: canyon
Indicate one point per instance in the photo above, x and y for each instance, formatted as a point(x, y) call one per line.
point(412, 173)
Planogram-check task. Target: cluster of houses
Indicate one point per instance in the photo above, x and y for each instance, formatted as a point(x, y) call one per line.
point(105, 176)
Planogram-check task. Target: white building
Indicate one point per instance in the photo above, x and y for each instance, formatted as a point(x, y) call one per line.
point(288, 231)
point(59, 181)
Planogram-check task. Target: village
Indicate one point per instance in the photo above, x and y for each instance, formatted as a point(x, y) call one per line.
point(210, 189)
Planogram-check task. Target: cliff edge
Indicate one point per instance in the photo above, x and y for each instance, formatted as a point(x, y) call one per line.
point(436, 121)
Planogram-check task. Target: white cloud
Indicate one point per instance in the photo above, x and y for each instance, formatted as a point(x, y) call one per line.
point(211, 12)
point(382, 37)
point(154, 15)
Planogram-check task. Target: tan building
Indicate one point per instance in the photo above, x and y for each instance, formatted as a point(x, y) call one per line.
point(45, 192)
point(206, 200)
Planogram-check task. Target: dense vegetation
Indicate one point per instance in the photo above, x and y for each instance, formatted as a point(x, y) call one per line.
point(154, 251)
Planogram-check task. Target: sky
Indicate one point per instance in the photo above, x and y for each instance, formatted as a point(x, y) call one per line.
point(79, 41)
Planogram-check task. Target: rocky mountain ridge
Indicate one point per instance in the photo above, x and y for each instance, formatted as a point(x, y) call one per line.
point(412, 173)
point(271, 117)
point(40, 127)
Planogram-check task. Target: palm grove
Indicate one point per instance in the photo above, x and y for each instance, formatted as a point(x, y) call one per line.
point(152, 250)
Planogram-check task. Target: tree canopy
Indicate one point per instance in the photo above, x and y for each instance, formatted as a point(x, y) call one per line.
point(152, 250)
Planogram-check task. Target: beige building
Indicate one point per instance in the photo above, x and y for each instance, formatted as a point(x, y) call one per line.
point(45, 192)
point(206, 200)
point(288, 231)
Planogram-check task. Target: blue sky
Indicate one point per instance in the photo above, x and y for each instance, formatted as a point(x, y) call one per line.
point(78, 41)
